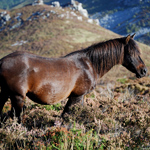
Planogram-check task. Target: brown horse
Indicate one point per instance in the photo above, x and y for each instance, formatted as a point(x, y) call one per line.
point(50, 80)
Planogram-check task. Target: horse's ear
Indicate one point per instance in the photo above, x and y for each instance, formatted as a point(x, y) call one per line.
point(132, 36)
point(127, 39)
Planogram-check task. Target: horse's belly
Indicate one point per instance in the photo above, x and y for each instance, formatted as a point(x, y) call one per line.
point(50, 94)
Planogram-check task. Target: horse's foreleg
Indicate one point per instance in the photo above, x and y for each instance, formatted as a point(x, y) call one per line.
point(72, 100)
point(17, 106)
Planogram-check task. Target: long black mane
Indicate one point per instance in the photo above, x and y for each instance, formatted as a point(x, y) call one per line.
point(105, 55)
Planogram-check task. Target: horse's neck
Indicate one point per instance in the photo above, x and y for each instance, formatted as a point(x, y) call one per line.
point(101, 59)
point(104, 61)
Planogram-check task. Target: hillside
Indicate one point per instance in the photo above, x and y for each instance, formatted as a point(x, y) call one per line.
point(113, 15)
point(114, 116)
point(43, 26)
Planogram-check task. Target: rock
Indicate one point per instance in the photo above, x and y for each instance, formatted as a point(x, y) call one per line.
point(73, 13)
point(97, 21)
point(56, 4)
point(62, 16)
point(78, 7)
point(44, 17)
point(53, 12)
point(3, 13)
point(19, 43)
point(90, 20)
point(82, 11)
point(16, 25)
point(19, 14)
point(73, 3)
point(79, 18)
point(37, 2)
point(48, 14)
point(4, 16)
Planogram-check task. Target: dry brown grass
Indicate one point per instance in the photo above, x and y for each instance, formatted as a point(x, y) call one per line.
point(116, 120)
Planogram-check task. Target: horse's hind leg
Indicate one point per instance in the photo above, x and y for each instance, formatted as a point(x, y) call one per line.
point(72, 100)
point(3, 99)
point(17, 106)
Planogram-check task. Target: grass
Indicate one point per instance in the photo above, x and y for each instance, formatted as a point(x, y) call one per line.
point(82, 35)
point(55, 107)
point(55, 138)
point(121, 122)
point(123, 80)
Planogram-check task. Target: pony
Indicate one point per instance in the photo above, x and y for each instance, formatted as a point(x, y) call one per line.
point(50, 80)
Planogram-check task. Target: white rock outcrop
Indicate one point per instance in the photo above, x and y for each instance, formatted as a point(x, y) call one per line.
point(97, 22)
point(56, 4)
point(90, 20)
point(4, 18)
point(37, 2)
point(78, 7)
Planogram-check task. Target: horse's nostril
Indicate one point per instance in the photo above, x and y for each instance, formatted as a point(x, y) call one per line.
point(144, 71)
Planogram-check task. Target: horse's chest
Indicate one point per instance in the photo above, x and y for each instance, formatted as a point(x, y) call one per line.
point(90, 85)
point(85, 84)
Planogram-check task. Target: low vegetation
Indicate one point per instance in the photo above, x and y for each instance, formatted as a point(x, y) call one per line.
point(109, 119)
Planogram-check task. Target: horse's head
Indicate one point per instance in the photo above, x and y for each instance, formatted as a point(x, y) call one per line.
point(132, 60)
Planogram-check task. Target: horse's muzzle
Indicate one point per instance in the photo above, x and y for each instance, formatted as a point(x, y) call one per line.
point(142, 73)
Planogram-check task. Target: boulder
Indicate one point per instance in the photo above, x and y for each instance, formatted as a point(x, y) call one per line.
point(97, 22)
point(4, 17)
point(79, 18)
point(90, 20)
point(78, 7)
point(82, 11)
point(56, 4)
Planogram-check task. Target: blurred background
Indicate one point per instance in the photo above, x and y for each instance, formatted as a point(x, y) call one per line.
point(120, 16)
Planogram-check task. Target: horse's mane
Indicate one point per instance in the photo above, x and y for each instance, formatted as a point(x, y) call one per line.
point(105, 55)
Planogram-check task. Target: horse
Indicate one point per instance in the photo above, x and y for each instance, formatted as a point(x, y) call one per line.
point(50, 80)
